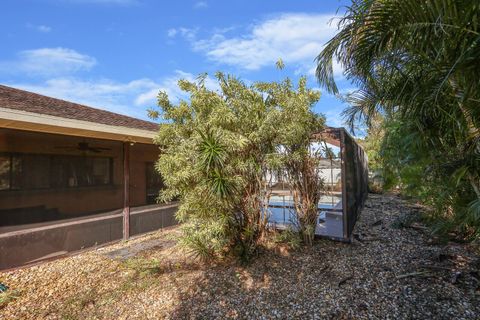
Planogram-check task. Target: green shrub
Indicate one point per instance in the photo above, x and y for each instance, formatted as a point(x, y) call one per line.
point(8, 296)
point(288, 236)
point(216, 150)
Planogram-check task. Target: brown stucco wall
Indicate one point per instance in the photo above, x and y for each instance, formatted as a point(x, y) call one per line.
point(75, 201)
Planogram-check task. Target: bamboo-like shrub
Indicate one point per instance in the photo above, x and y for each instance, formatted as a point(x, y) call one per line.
point(215, 151)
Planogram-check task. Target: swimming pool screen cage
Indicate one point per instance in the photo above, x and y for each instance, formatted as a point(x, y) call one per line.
point(345, 178)
point(354, 180)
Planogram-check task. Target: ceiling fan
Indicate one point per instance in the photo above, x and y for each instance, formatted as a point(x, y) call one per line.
point(84, 147)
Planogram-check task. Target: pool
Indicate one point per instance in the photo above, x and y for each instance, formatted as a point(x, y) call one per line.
point(282, 212)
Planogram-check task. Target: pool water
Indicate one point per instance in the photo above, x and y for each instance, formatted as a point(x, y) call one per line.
point(281, 208)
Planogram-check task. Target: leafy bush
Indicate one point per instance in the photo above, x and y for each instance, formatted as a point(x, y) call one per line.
point(288, 236)
point(416, 65)
point(8, 296)
point(216, 151)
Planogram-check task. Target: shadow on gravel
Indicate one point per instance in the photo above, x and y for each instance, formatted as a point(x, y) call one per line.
point(278, 284)
point(390, 270)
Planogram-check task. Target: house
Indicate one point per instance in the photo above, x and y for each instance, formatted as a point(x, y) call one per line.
point(75, 177)
point(72, 177)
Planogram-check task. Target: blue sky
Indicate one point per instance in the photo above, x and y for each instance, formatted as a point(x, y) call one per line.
point(117, 54)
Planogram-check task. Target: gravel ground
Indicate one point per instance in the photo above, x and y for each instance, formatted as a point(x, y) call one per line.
point(392, 270)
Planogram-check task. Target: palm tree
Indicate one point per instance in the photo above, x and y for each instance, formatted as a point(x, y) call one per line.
point(417, 63)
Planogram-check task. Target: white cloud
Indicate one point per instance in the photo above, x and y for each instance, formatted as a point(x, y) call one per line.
point(296, 38)
point(103, 93)
point(187, 33)
point(56, 67)
point(171, 33)
point(131, 98)
point(169, 85)
point(43, 28)
point(200, 5)
point(334, 117)
point(48, 62)
point(310, 69)
point(40, 28)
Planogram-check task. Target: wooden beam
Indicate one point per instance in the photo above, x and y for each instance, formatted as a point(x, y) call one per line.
point(126, 190)
point(329, 135)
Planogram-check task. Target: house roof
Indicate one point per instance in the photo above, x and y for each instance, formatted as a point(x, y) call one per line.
point(11, 98)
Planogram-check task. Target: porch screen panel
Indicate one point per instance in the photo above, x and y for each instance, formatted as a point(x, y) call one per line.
point(154, 183)
point(35, 171)
point(4, 172)
point(10, 172)
point(37, 168)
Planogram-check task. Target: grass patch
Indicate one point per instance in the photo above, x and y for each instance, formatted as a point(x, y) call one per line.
point(74, 307)
point(144, 267)
point(406, 220)
point(7, 297)
point(288, 237)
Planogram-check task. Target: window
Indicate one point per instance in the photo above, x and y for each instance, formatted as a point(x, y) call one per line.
point(28, 171)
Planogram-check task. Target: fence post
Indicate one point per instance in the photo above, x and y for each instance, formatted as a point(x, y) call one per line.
point(344, 184)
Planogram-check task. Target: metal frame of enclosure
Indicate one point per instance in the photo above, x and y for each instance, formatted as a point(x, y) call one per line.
point(346, 178)
point(354, 168)
point(354, 180)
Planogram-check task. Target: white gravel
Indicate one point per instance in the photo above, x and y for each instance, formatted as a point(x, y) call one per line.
point(386, 273)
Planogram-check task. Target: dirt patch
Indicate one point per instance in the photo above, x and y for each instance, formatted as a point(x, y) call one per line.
point(135, 249)
point(391, 270)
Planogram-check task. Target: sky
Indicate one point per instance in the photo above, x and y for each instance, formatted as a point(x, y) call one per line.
point(117, 54)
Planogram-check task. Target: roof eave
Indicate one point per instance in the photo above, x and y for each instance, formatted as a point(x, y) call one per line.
point(23, 120)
